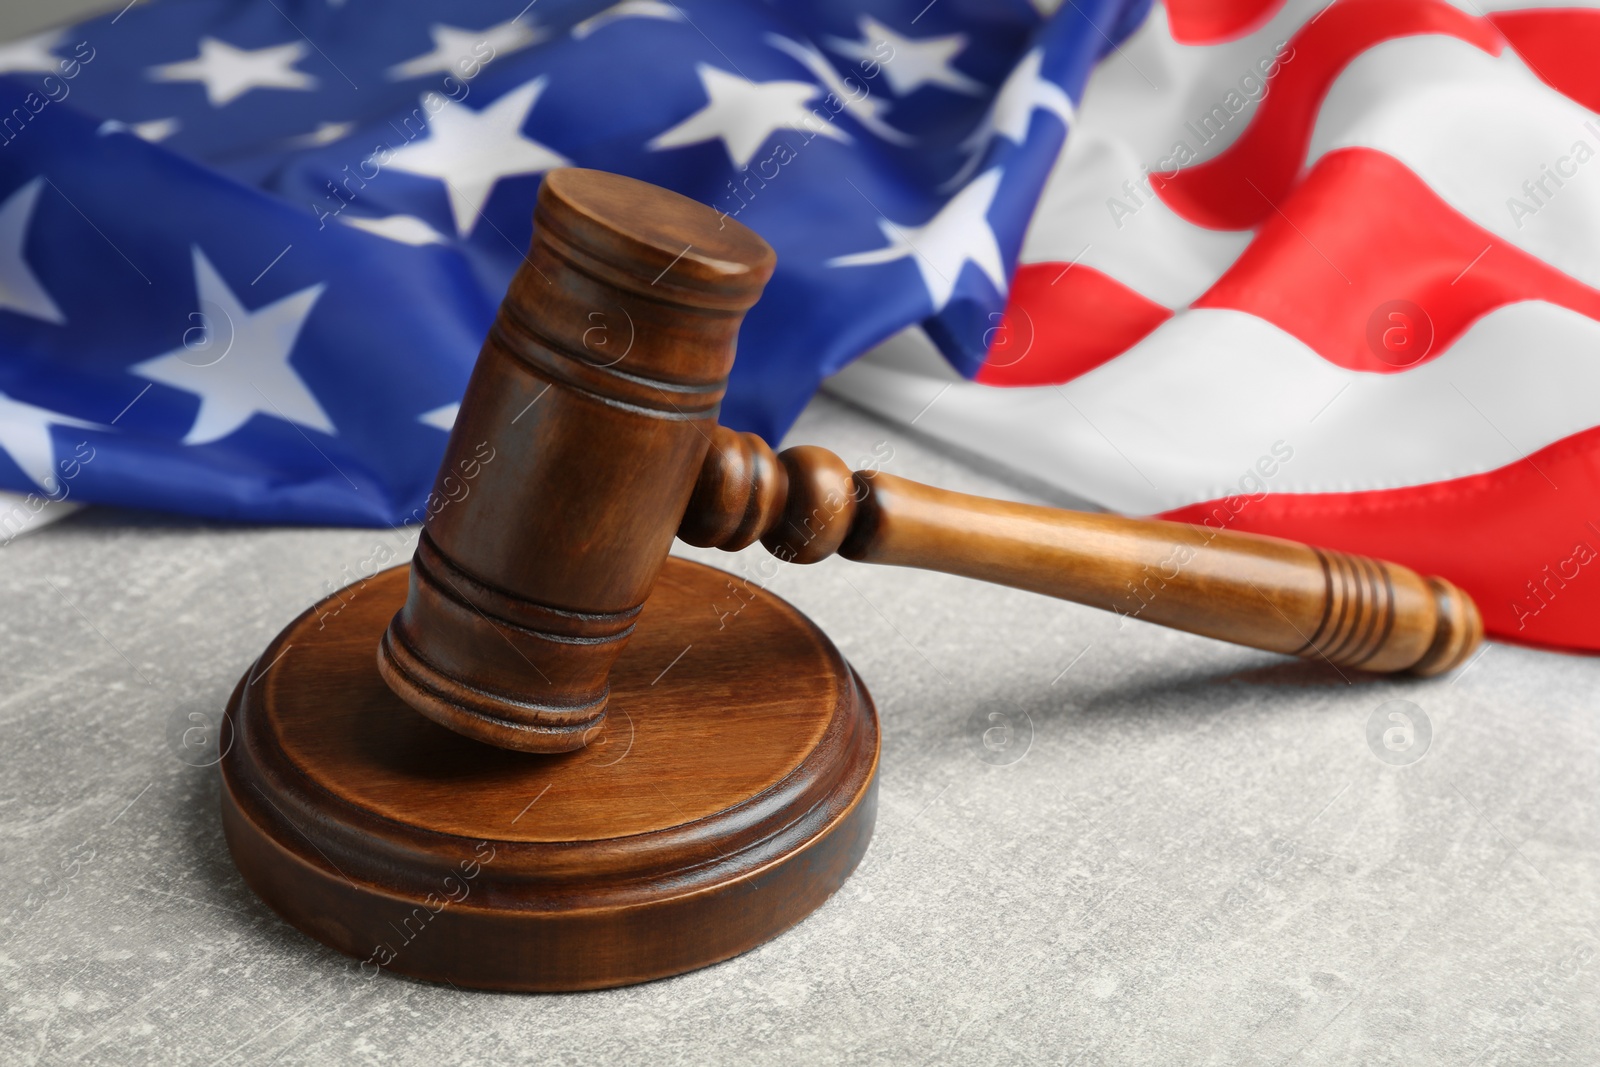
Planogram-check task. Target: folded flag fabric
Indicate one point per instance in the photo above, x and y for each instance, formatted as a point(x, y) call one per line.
point(248, 248)
point(1322, 271)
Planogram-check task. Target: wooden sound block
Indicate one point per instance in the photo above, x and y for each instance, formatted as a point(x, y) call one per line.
point(730, 791)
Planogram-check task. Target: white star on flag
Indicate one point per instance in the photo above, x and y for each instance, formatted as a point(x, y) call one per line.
point(1025, 91)
point(451, 45)
point(30, 54)
point(238, 364)
point(470, 151)
point(627, 9)
point(155, 131)
point(959, 234)
point(407, 229)
point(325, 133)
point(742, 114)
point(442, 417)
point(20, 290)
point(25, 437)
point(863, 107)
point(911, 63)
point(228, 72)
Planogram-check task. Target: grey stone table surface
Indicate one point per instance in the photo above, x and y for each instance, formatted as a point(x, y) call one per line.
point(1099, 842)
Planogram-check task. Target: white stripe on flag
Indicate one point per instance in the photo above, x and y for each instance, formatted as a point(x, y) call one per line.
point(1184, 414)
point(1475, 127)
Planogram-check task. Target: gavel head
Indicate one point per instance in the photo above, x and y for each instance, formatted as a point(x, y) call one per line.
point(583, 427)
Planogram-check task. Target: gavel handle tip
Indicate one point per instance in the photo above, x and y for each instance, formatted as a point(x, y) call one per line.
point(1458, 634)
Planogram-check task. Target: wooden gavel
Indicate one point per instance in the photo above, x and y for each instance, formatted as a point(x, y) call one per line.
point(597, 391)
point(735, 787)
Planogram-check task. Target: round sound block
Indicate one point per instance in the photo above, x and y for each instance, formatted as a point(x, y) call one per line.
point(730, 791)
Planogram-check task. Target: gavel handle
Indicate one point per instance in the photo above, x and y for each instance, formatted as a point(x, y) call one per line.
point(1267, 593)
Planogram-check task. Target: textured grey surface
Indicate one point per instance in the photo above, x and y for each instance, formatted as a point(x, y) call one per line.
point(1197, 858)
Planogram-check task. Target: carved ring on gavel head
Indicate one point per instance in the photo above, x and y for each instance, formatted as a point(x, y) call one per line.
point(598, 388)
point(609, 780)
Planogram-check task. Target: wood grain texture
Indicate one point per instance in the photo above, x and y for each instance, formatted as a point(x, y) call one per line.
point(731, 791)
point(805, 504)
point(584, 425)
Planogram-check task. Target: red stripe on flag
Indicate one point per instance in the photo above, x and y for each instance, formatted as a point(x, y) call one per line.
point(1063, 320)
point(1372, 270)
point(1210, 21)
point(1238, 188)
point(1559, 46)
point(1527, 552)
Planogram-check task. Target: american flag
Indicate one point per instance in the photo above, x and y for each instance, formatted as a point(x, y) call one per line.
point(249, 248)
point(1320, 271)
point(1323, 271)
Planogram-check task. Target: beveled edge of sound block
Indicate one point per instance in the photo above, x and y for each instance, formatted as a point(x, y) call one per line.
point(545, 915)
